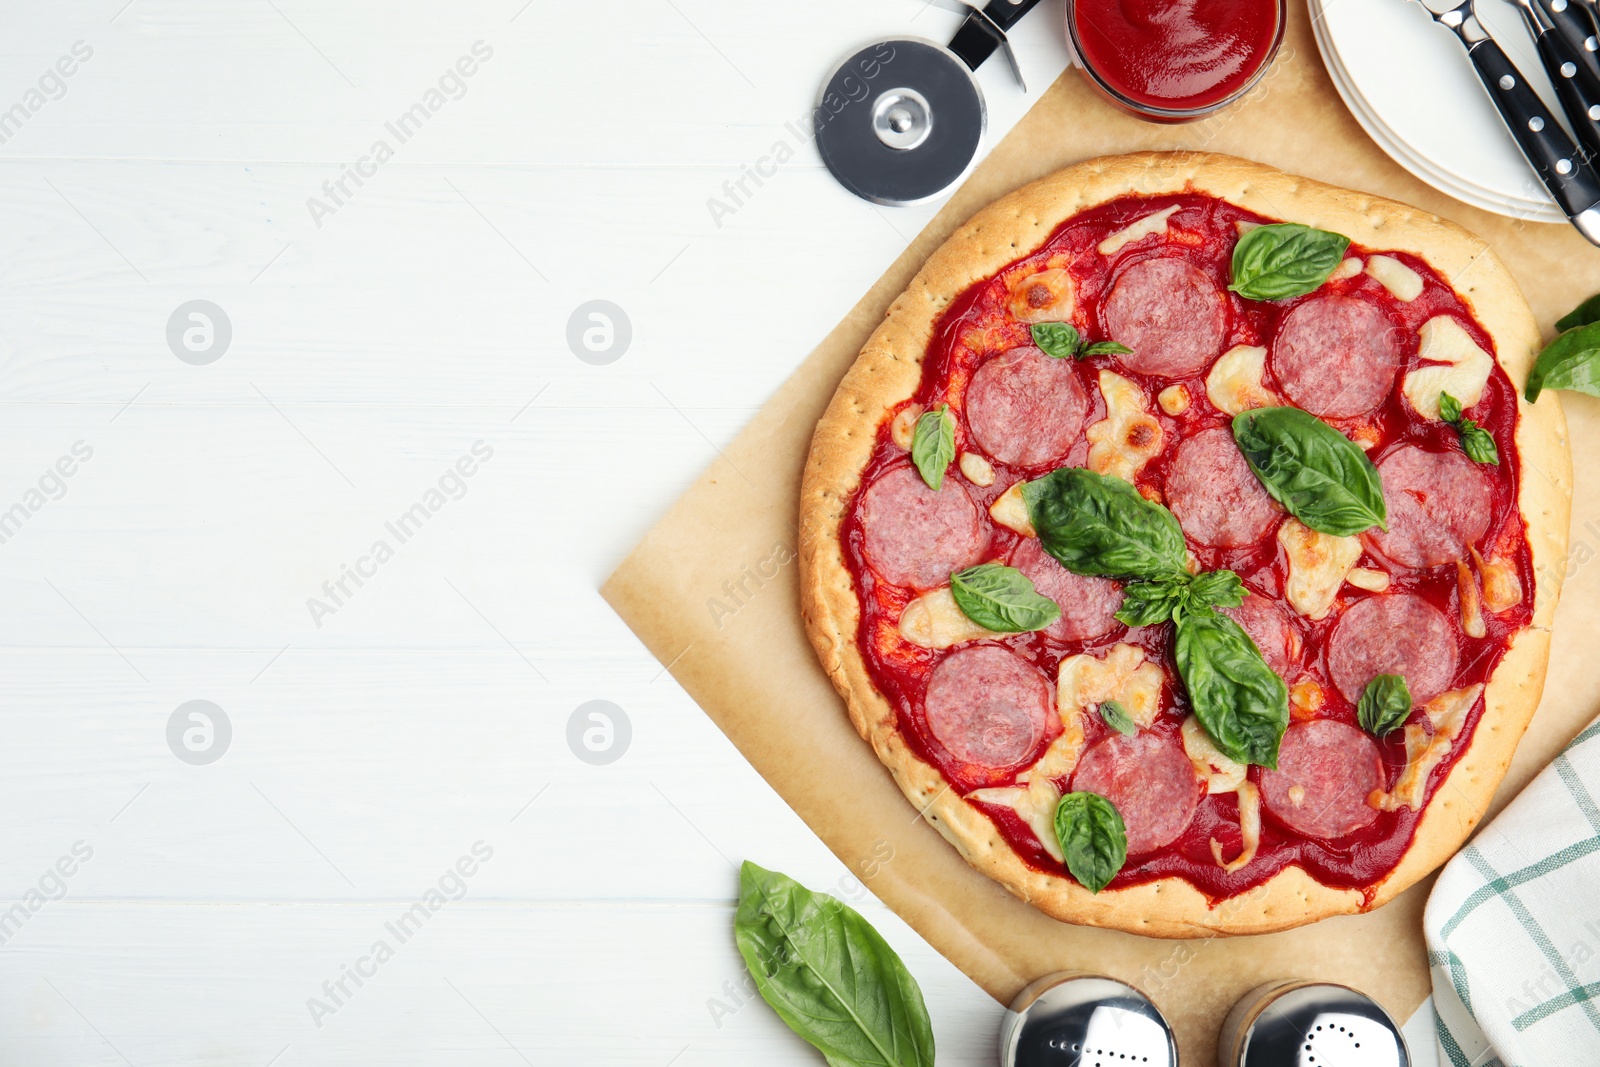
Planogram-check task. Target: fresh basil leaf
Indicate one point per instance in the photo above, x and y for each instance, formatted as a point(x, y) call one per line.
point(1216, 589)
point(1099, 525)
point(1477, 443)
point(1152, 603)
point(1384, 704)
point(1107, 348)
point(1571, 361)
point(1241, 702)
point(933, 445)
point(829, 974)
point(1116, 716)
point(1449, 408)
point(1582, 315)
point(1058, 339)
point(1093, 838)
point(1002, 598)
point(1284, 260)
point(1313, 470)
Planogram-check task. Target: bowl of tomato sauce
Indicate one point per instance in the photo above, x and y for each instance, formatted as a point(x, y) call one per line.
point(1174, 60)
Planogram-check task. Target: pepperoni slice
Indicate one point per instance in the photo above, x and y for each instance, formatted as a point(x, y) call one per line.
point(1336, 356)
point(1396, 633)
point(1170, 313)
point(988, 706)
point(915, 536)
point(1217, 498)
point(1326, 771)
point(1267, 623)
point(1088, 604)
point(1149, 780)
point(1438, 504)
point(1025, 408)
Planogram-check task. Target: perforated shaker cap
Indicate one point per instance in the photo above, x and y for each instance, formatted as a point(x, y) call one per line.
point(1085, 1020)
point(1310, 1024)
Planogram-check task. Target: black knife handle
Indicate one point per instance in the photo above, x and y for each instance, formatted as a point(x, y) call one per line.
point(1552, 154)
point(1574, 20)
point(1577, 87)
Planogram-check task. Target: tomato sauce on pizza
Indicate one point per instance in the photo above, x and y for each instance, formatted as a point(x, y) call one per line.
point(1168, 357)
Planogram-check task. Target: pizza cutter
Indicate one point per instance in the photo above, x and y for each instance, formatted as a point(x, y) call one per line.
point(900, 121)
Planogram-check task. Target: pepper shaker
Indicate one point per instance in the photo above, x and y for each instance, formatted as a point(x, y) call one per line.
point(1310, 1024)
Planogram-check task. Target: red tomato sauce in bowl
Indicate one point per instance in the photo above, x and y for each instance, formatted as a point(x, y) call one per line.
point(1174, 59)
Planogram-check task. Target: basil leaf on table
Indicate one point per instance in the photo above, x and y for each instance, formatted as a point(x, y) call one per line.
point(1284, 260)
point(1582, 315)
point(1092, 837)
point(1241, 702)
point(1057, 339)
point(1002, 598)
point(1099, 525)
point(1116, 716)
point(933, 445)
point(829, 974)
point(1571, 361)
point(1321, 476)
point(1384, 704)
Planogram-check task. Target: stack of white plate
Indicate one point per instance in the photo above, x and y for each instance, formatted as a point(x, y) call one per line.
point(1410, 84)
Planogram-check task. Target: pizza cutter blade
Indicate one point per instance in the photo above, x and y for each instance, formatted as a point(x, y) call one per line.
point(900, 121)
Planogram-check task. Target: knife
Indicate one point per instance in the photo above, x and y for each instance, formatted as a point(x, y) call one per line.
point(1560, 164)
point(1576, 83)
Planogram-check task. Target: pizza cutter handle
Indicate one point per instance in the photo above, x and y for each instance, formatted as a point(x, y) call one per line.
point(985, 30)
point(1557, 160)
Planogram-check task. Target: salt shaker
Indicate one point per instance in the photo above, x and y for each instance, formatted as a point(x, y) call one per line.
point(1069, 1019)
point(1309, 1024)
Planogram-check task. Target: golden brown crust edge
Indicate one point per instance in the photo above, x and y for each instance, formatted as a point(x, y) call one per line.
point(888, 371)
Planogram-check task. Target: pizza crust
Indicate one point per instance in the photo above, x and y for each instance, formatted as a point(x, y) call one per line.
point(888, 372)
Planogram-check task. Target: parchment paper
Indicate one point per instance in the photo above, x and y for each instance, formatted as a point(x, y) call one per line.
point(711, 591)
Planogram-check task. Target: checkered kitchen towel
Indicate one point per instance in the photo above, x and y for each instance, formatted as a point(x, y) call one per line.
point(1513, 926)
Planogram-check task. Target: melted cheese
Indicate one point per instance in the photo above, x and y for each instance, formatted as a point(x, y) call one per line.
point(1347, 268)
point(1150, 224)
point(1467, 593)
point(1129, 436)
point(905, 424)
point(1011, 511)
point(1403, 282)
point(934, 620)
point(1084, 682)
point(1222, 775)
point(1044, 297)
point(1174, 399)
point(1456, 366)
point(1249, 829)
point(1427, 746)
point(1318, 565)
point(1502, 589)
point(1234, 384)
point(977, 470)
point(1305, 699)
point(1373, 581)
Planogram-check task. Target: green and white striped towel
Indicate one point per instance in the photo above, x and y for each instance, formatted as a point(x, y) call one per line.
point(1513, 926)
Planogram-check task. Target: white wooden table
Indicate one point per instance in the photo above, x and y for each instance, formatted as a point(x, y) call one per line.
point(376, 339)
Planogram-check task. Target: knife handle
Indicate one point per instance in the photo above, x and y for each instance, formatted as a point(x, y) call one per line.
point(1574, 20)
point(1577, 87)
point(1552, 154)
